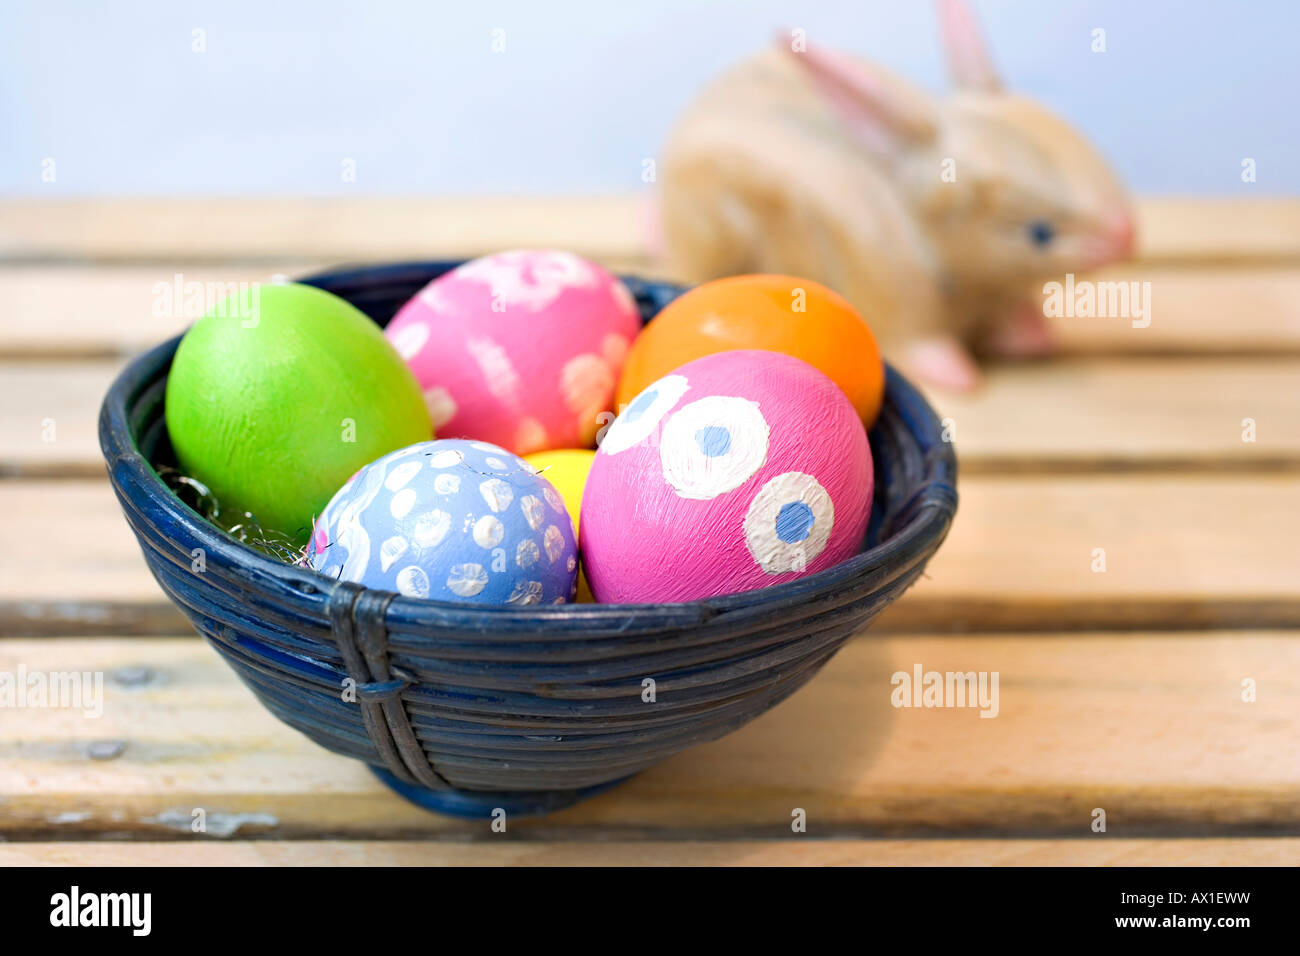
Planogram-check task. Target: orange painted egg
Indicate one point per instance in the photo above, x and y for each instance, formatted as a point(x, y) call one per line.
point(772, 312)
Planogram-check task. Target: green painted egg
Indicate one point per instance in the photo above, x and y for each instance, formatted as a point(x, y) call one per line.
point(276, 398)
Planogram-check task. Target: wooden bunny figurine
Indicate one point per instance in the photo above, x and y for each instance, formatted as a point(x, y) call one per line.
point(931, 217)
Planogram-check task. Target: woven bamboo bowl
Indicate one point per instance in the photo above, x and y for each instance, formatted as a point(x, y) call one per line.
point(465, 708)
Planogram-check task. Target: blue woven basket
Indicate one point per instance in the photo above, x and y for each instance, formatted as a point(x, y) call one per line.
point(466, 708)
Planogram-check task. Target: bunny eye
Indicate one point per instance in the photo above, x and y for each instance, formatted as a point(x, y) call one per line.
point(1041, 233)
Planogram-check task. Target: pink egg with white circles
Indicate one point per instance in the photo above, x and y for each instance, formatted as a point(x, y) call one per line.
point(522, 349)
point(736, 471)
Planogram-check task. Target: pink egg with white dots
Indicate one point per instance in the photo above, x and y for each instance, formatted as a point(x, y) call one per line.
point(522, 349)
point(736, 471)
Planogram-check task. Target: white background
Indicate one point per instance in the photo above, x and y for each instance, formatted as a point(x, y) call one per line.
point(585, 90)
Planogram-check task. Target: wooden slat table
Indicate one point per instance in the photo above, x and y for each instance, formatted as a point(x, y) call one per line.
point(1120, 689)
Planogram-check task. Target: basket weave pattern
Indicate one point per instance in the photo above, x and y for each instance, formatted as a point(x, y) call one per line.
point(473, 698)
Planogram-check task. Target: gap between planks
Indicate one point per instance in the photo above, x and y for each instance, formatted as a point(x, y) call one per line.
point(1180, 551)
point(1090, 851)
point(1152, 729)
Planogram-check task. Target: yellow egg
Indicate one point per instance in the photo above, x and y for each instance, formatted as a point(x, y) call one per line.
point(567, 470)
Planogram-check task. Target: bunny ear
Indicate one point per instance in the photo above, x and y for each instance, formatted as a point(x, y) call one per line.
point(969, 61)
point(882, 113)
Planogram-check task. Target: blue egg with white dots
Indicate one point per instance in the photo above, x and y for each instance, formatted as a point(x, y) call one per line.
point(450, 520)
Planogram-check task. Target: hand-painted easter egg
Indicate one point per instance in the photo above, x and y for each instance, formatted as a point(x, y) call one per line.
point(522, 349)
point(778, 313)
point(736, 471)
point(275, 397)
point(567, 470)
point(450, 520)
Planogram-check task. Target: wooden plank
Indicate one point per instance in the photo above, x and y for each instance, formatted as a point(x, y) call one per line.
point(1178, 551)
point(71, 564)
point(61, 311)
point(1100, 851)
point(365, 229)
point(88, 311)
point(386, 227)
point(1200, 229)
point(1150, 728)
point(49, 417)
point(1222, 311)
point(1136, 413)
point(96, 311)
point(1083, 414)
point(1181, 552)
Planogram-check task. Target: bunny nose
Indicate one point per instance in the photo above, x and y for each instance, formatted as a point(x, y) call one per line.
point(1122, 235)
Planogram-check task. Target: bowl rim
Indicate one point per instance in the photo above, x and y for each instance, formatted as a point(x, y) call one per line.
point(930, 513)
